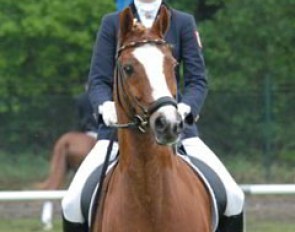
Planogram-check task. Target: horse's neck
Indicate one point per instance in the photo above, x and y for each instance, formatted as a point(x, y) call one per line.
point(138, 148)
point(142, 158)
point(142, 161)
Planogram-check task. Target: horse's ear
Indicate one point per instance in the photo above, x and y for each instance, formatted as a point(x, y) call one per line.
point(126, 23)
point(162, 23)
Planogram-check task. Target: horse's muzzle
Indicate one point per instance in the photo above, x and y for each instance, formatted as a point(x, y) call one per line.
point(167, 125)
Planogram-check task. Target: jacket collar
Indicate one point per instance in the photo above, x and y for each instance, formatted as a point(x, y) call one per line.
point(134, 10)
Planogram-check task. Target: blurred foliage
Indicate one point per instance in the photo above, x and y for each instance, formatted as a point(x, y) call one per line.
point(248, 44)
point(45, 53)
point(37, 123)
point(201, 9)
point(248, 40)
point(45, 49)
point(46, 45)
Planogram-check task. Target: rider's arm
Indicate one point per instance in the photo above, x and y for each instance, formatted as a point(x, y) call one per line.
point(102, 64)
point(195, 83)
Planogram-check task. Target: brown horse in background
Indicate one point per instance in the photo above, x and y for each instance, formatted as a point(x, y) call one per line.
point(151, 189)
point(68, 153)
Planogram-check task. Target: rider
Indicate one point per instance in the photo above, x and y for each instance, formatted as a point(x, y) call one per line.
point(186, 49)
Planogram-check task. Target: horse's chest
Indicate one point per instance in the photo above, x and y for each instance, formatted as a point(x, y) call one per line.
point(129, 209)
point(129, 216)
point(135, 223)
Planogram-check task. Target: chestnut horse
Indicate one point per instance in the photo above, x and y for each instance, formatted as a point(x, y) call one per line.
point(68, 153)
point(151, 189)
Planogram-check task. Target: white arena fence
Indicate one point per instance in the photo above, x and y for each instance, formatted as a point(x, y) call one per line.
point(48, 196)
point(251, 189)
point(31, 195)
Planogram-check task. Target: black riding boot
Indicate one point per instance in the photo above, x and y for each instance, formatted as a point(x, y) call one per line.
point(231, 224)
point(74, 227)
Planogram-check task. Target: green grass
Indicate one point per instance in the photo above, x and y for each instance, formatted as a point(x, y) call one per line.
point(255, 226)
point(26, 225)
point(253, 171)
point(22, 170)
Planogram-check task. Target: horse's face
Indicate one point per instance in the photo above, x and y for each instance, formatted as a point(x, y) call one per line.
point(148, 67)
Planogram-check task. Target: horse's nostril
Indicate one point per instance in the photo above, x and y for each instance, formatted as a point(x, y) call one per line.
point(160, 123)
point(180, 125)
point(177, 128)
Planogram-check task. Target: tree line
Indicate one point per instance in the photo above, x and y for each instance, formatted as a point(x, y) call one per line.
point(45, 52)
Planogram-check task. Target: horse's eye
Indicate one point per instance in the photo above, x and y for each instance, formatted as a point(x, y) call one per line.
point(128, 69)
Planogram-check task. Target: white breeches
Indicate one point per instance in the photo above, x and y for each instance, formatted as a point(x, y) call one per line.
point(194, 147)
point(235, 196)
point(71, 202)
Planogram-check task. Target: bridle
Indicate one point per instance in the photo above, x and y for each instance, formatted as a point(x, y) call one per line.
point(139, 120)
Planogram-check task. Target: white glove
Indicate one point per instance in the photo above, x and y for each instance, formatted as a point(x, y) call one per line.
point(184, 110)
point(108, 112)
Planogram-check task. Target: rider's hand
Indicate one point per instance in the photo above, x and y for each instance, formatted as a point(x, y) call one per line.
point(108, 113)
point(184, 110)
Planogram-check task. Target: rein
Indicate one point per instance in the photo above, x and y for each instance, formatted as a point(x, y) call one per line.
point(138, 120)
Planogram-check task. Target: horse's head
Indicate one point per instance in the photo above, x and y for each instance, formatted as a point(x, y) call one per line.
point(146, 88)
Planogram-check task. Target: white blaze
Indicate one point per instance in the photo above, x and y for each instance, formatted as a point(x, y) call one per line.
point(152, 59)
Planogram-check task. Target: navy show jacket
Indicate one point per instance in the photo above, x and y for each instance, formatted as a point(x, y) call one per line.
point(181, 34)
